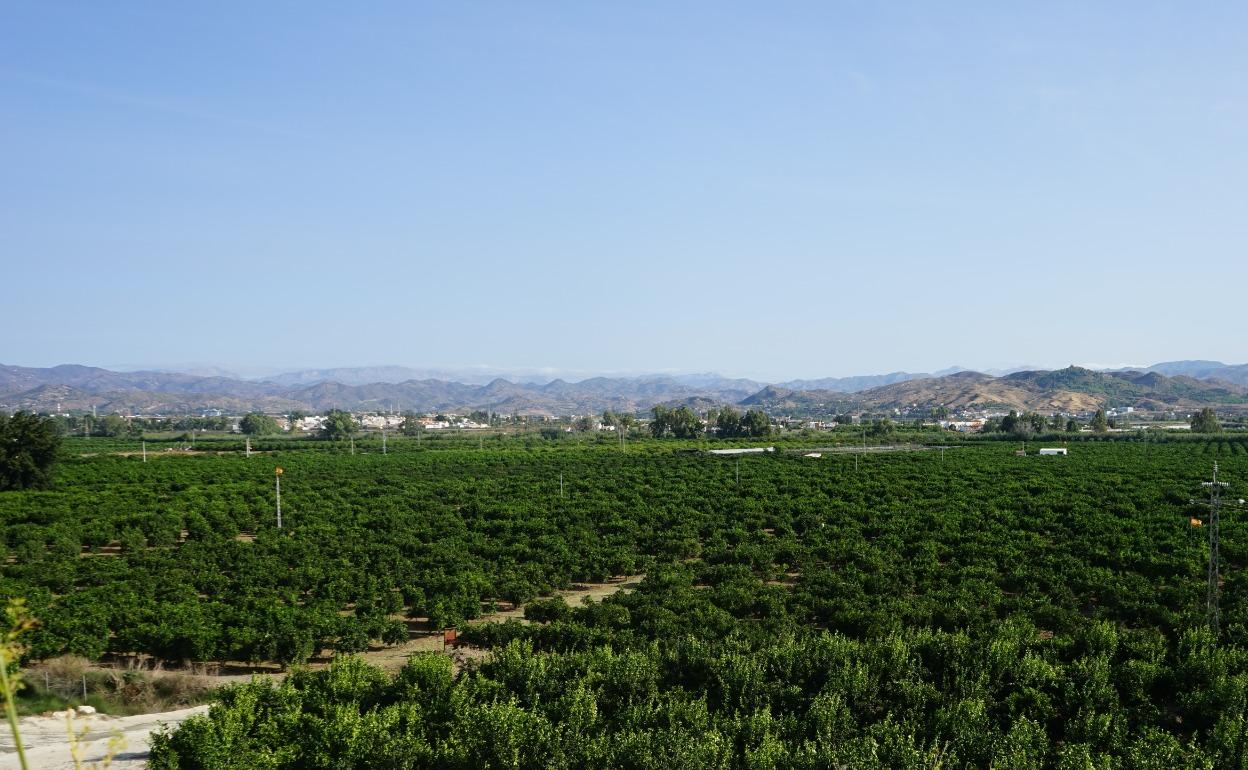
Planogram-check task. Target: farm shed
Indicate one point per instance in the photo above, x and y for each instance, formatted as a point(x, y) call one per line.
point(1054, 451)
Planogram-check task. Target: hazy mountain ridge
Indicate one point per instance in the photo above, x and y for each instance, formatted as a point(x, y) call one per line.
point(73, 387)
point(1236, 374)
point(1073, 389)
point(853, 384)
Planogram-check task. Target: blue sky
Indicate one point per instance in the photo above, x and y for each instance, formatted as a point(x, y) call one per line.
point(774, 190)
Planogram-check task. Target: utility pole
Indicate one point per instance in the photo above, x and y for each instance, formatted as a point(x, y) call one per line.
point(144, 451)
point(738, 471)
point(1212, 589)
point(249, 446)
point(277, 480)
point(383, 441)
point(353, 445)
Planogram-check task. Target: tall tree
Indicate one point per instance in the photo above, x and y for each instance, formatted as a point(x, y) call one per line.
point(111, 425)
point(411, 425)
point(28, 450)
point(338, 425)
point(685, 423)
point(660, 420)
point(258, 424)
point(728, 423)
point(1206, 421)
point(755, 423)
point(1100, 423)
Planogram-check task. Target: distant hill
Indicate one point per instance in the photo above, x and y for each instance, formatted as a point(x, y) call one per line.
point(1204, 370)
point(813, 402)
point(1073, 389)
point(1197, 369)
point(852, 384)
point(368, 375)
point(74, 387)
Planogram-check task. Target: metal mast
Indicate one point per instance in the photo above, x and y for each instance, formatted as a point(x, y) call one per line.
point(1212, 616)
point(277, 482)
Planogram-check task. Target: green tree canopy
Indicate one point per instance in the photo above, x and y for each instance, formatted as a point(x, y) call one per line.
point(1100, 423)
point(882, 428)
point(680, 422)
point(1206, 421)
point(28, 450)
point(338, 425)
point(111, 425)
point(411, 425)
point(686, 424)
point(660, 420)
point(257, 424)
point(756, 423)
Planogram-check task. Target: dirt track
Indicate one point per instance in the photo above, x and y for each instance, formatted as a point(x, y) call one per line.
point(47, 742)
point(47, 739)
point(393, 658)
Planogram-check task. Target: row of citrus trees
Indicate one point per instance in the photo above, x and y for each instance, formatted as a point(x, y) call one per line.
point(1052, 604)
point(615, 695)
point(180, 557)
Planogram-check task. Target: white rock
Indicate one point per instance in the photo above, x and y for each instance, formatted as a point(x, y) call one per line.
point(86, 709)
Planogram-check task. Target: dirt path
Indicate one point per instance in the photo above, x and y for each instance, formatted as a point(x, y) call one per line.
point(46, 739)
point(393, 658)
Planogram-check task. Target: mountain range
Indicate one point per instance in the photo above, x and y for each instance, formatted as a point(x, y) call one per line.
point(70, 387)
point(1070, 390)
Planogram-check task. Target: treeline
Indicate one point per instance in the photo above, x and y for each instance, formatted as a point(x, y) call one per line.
point(683, 422)
point(612, 695)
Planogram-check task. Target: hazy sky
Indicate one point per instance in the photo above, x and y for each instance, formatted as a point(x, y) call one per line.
point(767, 189)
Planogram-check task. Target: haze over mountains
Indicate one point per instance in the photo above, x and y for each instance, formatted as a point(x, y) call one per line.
point(1175, 384)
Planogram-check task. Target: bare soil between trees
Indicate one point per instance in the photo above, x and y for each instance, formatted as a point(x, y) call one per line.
point(46, 738)
point(422, 638)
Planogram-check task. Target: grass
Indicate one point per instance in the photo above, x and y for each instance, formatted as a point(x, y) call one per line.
point(56, 684)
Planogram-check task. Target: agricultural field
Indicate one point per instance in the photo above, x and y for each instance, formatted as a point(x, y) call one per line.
point(964, 608)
